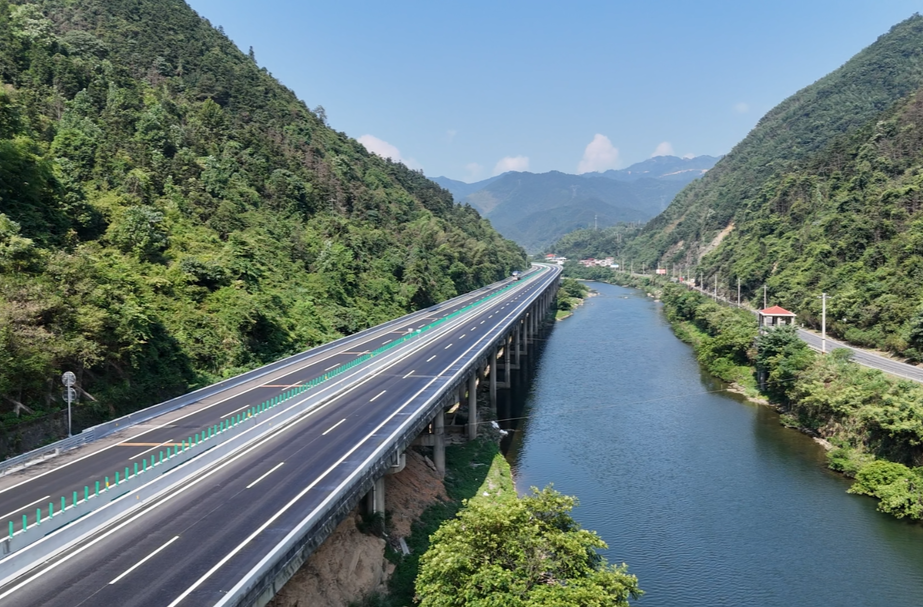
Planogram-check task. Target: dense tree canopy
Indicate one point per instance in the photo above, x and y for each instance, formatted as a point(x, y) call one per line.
point(171, 214)
point(525, 552)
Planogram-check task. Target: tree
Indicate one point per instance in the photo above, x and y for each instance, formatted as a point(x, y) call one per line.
point(518, 553)
point(782, 355)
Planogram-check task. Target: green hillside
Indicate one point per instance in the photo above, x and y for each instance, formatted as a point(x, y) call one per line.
point(822, 196)
point(170, 214)
point(786, 138)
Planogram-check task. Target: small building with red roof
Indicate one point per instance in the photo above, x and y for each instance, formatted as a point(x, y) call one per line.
point(775, 316)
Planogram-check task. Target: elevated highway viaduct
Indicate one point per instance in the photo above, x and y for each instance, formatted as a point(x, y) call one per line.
point(287, 453)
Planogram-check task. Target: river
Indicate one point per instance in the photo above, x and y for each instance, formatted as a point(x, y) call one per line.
point(707, 497)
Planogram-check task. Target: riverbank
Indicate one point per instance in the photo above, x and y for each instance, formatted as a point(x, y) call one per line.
point(870, 423)
point(697, 489)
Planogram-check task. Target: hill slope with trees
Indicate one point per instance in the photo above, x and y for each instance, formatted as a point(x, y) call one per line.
point(822, 196)
point(171, 214)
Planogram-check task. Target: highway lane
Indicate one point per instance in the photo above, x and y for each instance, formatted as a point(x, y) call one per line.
point(866, 358)
point(24, 492)
point(860, 356)
point(165, 553)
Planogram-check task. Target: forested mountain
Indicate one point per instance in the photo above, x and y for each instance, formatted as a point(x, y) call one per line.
point(663, 167)
point(606, 242)
point(535, 209)
point(460, 189)
point(170, 214)
point(824, 195)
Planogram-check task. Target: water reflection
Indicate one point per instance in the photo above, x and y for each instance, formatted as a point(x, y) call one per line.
point(707, 497)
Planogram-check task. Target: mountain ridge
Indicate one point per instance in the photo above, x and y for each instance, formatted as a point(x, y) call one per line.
point(515, 201)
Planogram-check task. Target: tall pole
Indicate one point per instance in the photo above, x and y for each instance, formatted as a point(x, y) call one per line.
point(765, 305)
point(738, 291)
point(823, 323)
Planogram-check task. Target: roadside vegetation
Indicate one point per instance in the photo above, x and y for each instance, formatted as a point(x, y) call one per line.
point(571, 294)
point(873, 421)
point(170, 214)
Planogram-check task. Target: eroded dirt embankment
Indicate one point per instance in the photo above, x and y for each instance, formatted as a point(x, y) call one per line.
point(351, 564)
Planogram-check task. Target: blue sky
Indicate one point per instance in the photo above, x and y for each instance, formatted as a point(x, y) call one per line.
point(469, 89)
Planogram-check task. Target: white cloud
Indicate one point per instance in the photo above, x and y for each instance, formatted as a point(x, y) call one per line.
point(386, 150)
point(663, 149)
point(599, 155)
point(741, 108)
point(512, 163)
point(474, 170)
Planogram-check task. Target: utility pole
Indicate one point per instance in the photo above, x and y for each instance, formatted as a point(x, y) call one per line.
point(823, 323)
point(738, 291)
point(765, 305)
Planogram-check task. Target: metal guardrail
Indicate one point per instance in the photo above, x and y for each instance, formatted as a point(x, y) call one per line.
point(101, 430)
point(75, 518)
point(301, 541)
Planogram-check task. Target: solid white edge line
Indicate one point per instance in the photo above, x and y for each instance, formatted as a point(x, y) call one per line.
point(41, 499)
point(142, 561)
point(244, 450)
point(206, 407)
point(323, 504)
point(276, 467)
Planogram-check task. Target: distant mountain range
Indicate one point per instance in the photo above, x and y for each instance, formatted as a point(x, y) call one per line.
point(535, 209)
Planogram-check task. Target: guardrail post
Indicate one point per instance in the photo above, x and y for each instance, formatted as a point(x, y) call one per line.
point(63, 503)
point(75, 498)
point(25, 522)
point(38, 516)
point(86, 493)
point(136, 469)
point(11, 528)
point(50, 509)
point(97, 488)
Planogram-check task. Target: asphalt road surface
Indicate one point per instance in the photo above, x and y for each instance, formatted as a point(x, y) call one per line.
point(193, 546)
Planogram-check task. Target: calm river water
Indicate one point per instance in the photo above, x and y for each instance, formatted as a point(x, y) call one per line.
point(706, 497)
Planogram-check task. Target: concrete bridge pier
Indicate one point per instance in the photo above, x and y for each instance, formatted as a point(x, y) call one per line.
point(375, 498)
point(434, 437)
point(473, 402)
point(493, 378)
point(517, 341)
point(439, 442)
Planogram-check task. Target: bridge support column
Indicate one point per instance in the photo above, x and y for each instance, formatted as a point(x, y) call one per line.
point(375, 499)
point(439, 442)
point(493, 378)
point(517, 340)
point(473, 401)
point(507, 381)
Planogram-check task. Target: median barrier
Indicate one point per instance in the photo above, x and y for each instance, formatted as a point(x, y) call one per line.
point(99, 431)
point(35, 543)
